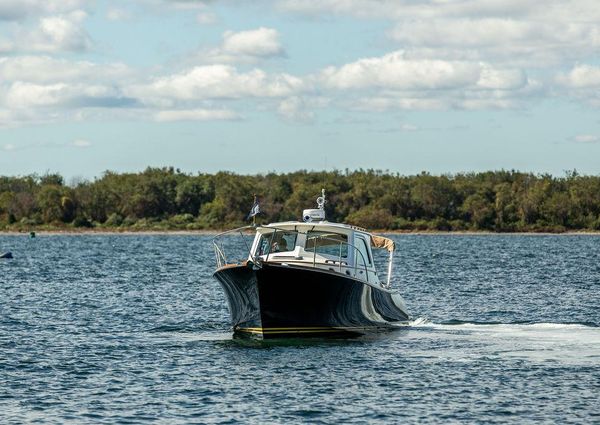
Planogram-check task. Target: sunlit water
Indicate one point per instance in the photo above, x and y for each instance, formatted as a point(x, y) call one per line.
point(133, 329)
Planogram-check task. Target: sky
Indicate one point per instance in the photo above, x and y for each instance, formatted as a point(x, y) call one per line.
point(404, 86)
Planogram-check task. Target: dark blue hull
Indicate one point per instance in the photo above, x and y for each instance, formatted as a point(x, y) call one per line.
point(286, 301)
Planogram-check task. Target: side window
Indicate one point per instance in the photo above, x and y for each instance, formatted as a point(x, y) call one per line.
point(333, 244)
point(279, 242)
point(362, 246)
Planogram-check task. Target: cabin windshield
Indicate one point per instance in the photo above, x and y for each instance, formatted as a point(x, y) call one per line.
point(326, 243)
point(281, 241)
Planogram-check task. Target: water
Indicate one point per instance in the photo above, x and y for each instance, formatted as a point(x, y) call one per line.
point(131, 329)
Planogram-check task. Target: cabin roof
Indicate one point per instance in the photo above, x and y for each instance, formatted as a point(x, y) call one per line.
point(380, 242)
point(318, 225)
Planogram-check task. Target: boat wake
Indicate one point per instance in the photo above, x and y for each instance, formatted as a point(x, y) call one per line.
point(571, 343)
point(455, 323)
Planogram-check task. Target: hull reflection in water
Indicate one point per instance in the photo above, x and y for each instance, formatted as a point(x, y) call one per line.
point(279, 300)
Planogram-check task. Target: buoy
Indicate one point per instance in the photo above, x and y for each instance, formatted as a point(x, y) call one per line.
point(6, 255)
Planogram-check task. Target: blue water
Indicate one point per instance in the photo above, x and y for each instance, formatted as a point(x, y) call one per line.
point(132, 329)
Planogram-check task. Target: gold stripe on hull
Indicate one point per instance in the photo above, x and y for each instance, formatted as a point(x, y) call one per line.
point(304, 330)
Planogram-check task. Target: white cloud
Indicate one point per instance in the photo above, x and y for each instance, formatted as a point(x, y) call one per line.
point(22, 9)
point(23, 95)
point(259, 42)
point(385, 103)
point(581, 76)
point(507, 40)
point(216, 82)
point(55, 33)
point(490, 32)
point(434, 9)
point(196, 115)
point(244, 46)
point(505, 79)
point(81, 143)
point(45, 89)
point(395, 81)
point(394, 71)
point(296, 109)
point(586, 138)
point(582, 82)
point(45, 69)
point(61, 33)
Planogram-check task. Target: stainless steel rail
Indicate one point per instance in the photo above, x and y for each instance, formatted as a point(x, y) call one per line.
point(217, 241)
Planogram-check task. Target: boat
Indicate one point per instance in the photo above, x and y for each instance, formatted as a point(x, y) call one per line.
point(307, 278)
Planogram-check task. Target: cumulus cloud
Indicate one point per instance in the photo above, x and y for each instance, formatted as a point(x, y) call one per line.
point(581, 76)
point(582, 82)
point(396, 71)
point(61, 33)
point(216, 82)
point(259, 42)
point(505, 79)
point(395, 81)
point(54, 33)
point(24, 95)
point(244, 46)
point(43, 88)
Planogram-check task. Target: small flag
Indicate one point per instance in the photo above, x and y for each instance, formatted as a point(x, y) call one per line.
point(255, 209)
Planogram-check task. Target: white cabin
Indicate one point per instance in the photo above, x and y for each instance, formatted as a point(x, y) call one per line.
point(339, 248)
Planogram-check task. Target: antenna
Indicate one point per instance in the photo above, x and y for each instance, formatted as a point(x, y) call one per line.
point(321, 201)
point(316, 215)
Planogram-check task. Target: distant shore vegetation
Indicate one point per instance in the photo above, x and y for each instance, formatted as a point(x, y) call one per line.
point(167, 199)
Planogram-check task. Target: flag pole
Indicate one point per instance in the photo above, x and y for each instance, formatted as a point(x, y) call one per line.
point(254, 216)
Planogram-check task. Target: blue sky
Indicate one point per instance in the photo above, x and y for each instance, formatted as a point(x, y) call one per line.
point(252, 87)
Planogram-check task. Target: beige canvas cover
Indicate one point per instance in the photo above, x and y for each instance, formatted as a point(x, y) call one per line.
point(381, 242)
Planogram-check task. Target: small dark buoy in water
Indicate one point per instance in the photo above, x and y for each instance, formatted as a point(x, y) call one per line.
point(32, 235)
point(6, 255)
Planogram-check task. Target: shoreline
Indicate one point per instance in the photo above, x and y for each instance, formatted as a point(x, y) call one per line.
point(105, 232)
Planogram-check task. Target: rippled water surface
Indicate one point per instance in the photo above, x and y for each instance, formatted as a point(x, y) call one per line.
point(133, 329)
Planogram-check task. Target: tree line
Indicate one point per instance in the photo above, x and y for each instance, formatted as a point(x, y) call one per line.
point(165, 198)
